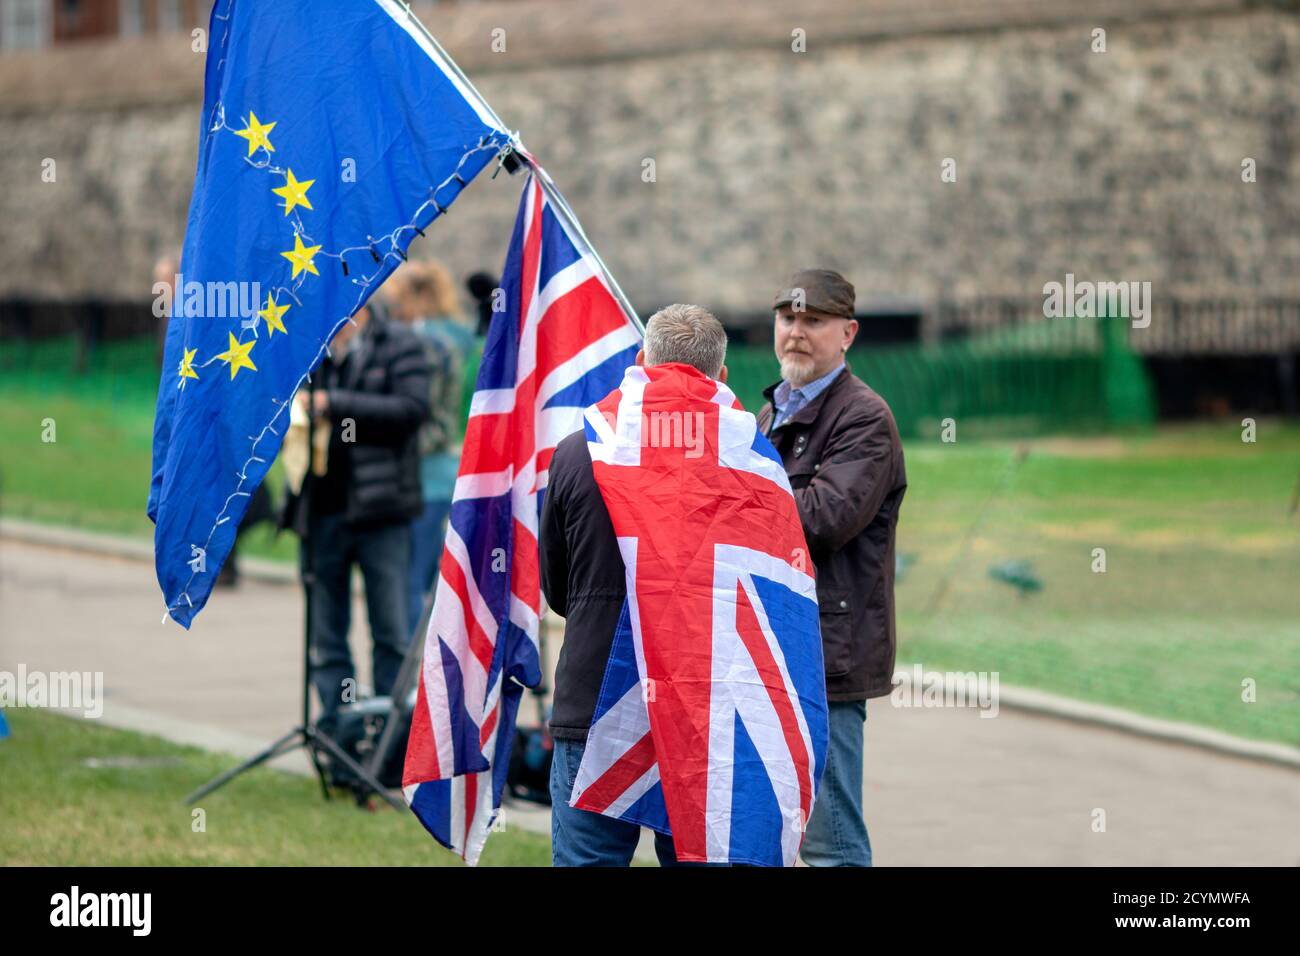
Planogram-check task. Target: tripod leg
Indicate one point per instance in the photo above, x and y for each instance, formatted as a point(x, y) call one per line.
point(319, 739)
point(298, 734)
point(315, 762)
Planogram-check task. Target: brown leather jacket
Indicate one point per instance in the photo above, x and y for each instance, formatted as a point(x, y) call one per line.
point(845, 463)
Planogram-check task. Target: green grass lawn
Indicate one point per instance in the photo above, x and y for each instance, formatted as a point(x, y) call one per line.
point(1202, 584)
point(58, 810)
point(1201, 591)
point(95, 474)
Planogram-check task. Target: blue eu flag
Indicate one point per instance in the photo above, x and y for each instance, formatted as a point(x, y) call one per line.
point(333, 132)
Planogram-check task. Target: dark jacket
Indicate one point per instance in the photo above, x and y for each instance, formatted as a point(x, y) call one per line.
point(582, 578)
point(845, 463)
point(379, 395)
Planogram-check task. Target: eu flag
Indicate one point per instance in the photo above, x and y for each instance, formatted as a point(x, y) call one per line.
point(333, 132)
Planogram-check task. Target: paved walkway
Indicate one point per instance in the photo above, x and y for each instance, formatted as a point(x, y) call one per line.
point(942, 786)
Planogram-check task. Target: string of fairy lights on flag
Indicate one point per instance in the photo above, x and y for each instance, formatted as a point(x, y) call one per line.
point(301, 260)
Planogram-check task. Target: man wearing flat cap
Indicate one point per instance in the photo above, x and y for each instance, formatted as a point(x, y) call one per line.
point(840, 447)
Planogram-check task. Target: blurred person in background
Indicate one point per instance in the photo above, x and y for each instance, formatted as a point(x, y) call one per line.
point(166, 273)
point(840, 447)
point(482, 287)
point(355, 506)
point(423, 296)
point(165, 270)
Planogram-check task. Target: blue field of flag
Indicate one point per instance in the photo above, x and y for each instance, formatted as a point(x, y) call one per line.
point(332, 134)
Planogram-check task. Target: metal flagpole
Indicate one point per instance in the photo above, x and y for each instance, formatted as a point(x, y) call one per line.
point(548, 186)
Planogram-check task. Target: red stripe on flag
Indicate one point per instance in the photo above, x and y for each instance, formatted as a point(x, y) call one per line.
point(489, 445)
point(627, 770)
point(532, 256)
point(480, 645)
point(574, 321)
point(421, 749)
point(525, 573)
point(544, 463)
point(752, 635)
point(488, 726)
point(523, 424)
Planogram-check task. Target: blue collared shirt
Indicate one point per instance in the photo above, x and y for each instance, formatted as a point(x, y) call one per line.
point(787, 400)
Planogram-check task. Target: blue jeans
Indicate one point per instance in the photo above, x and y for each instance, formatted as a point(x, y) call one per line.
point(837, 834)
point(427, 535)
point(583, 838)
point(382, 553)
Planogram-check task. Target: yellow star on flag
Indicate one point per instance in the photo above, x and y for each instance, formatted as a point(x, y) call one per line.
point(187, 364)
point(301, 257)
point(256, 134)
point(237, 355)
point(273, 314)
point(293, 192)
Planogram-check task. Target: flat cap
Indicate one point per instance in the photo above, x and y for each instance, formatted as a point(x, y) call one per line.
point(821, 290)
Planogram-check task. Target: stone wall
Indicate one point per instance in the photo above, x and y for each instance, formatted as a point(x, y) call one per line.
point(1117, 165)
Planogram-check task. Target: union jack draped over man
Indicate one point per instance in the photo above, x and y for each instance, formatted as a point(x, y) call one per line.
point(711, 723)
point(561, 342)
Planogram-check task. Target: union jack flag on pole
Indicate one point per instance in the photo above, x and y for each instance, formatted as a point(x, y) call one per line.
point(562, 342)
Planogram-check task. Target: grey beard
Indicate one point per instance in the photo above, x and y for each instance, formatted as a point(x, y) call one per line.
point(797, 371)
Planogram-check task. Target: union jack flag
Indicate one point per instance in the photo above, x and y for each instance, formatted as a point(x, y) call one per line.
point(561, 343)
point(711, 723)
